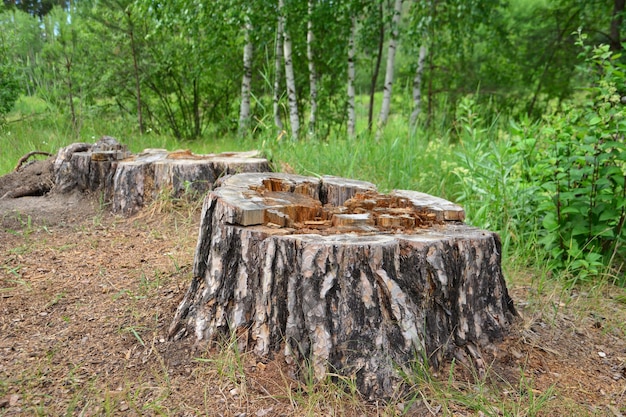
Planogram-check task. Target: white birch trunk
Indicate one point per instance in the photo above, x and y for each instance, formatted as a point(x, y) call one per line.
point(417, 86)
point(391, 58)
point(278, 70)
point(351, 76)
point(292, 97)
point(246, 82)
point(310, 40)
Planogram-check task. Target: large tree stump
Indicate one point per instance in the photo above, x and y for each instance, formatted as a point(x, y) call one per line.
point(336, 275)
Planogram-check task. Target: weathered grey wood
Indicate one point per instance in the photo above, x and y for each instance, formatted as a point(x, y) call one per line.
point(128, 182)
point(65, 170)
point(335, 191)
point(25, 158)
point(361, 297)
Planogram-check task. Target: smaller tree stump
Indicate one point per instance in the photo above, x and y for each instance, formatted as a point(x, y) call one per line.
point(343, 278)
point(140, 178)
point(128, 182)
point(88, 167)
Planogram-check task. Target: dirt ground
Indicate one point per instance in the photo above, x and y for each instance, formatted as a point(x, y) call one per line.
point(86, 298)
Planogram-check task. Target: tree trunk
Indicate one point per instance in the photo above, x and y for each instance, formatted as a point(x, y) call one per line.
point(278, 63)
point(391, 59)
point(379, 59)
point(246, 82)
point(133, 50)
point(342, 278)
point(70, 92)
point(292, 97)
point(616, 25)
point(88, 167)
point(310, 40)
point(351, 77)
point(129, 182)
point(417, 87)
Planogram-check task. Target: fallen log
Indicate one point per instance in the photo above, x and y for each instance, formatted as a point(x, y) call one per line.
point(340, 277)
point(35, 178)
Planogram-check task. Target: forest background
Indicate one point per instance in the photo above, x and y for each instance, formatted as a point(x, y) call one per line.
point(514, 109)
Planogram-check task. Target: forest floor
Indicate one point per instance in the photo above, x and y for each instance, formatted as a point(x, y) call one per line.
point(86, 298)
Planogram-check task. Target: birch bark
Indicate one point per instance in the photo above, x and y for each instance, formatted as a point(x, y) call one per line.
point(417, 86)
point(290, 78)
point(278, 70)
point(351, 76)
point(310, 41)
point(391, 58)
point(246, 82)
point(343, 280)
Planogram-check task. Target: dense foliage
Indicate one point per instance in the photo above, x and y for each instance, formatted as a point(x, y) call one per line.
point(581, 169)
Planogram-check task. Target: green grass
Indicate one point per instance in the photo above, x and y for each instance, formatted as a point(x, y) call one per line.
point(33, 126)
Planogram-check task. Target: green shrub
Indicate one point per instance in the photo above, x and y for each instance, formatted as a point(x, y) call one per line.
point(581, 169)
point(9, 89)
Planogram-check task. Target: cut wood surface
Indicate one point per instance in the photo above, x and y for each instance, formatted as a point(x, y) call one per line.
point(342, 278)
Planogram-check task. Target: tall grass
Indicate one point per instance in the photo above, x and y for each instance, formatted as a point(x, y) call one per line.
point(33, 125)
point(397, 161)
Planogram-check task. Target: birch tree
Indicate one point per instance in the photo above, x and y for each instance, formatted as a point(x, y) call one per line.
point(310, 40)
point(290, 78)
point(417, 86)
point(278, 64)
point(351, 76)
point(391, 58)
point(246, 82)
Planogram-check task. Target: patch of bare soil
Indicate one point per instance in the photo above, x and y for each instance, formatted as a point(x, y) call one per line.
point(86, 299)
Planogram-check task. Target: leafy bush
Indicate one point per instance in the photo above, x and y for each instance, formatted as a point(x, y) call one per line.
point(9, 89)
point(581, 169)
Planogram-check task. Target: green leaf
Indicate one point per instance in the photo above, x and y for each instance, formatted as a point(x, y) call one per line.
point(594, 121)
point(572, 210)
point(580, 230)
point(550, 223)
point(608, 215)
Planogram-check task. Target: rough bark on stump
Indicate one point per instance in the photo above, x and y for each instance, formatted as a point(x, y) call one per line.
point(360, 287)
